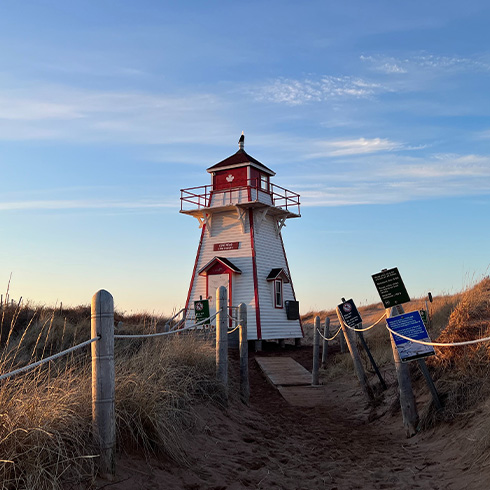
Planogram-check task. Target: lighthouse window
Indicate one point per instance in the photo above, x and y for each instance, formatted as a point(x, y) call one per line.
point(264, 182)
point(278, 293)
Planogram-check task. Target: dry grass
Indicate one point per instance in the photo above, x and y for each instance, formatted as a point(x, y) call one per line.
point(462, 373)
point(45, 432)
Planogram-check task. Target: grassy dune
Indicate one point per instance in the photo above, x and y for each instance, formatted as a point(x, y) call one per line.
point(45, 415)
point(45, 431)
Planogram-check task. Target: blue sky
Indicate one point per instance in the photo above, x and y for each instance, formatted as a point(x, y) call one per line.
point(377, 113)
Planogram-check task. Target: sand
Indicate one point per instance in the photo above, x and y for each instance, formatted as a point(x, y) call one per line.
point(341, 444)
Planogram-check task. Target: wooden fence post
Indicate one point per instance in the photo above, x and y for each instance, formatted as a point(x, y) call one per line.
point(351, 344)
point(222, 337)
point(103, 381)
point(407, 399)
point(316, 351)
point(326, 334)
point(342, 342)
point(244, 381)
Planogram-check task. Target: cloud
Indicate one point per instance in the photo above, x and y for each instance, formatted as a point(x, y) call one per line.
point(353, 147)
point(385, 180)
point(67, 114)
point(62, 205)
point(391, 65)
point(297, 92)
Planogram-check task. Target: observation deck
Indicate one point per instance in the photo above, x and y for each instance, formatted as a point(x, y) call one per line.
point(255, 193)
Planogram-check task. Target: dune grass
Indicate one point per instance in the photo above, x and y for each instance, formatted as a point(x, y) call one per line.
point(45, 431)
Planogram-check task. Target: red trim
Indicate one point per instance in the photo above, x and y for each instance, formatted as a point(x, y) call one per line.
point(290, 280)
point(195, 267)
point(254, 267)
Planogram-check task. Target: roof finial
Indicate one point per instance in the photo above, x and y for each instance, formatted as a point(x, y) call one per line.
point(241, 142)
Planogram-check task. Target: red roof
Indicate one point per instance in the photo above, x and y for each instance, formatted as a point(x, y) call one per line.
point(240, 157)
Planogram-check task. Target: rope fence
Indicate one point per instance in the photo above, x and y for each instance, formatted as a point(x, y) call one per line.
point(415, 341)
point(103, 370)
point(161, 334)
point(47, 359)
point(330, 338)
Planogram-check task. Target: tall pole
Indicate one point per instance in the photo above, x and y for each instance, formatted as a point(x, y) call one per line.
point(316, 352)
point(222, 337)
point(351, 344)
point(244, 381)
point(407, 399)
point(326, 334)
point(103, 381)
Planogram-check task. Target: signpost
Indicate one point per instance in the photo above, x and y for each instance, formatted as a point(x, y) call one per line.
point(390, 288)
point(410, 325)
point(201, 309)
point(351, 316)
point(349, 313)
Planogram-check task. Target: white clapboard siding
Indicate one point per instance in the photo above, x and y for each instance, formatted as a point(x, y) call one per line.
point(270, 255)
point(226, 227)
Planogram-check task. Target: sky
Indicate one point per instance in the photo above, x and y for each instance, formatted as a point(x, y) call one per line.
point(376, 113)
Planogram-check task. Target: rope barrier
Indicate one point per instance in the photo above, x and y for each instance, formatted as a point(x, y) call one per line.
point(47, 359)
point(236, 328)
point(331, 338)
point(440, 344)
point(367, 328)
point(161, 334)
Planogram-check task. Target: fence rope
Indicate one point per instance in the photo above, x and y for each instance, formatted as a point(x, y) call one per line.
point(48, 359)
point(364, 329)
point(231, 331)
point(331, 338)
point(439, 344)
point(161, 334)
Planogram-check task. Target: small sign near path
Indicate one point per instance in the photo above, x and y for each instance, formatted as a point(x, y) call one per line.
point(390, 287)
point(350, 313)
point(410, 325)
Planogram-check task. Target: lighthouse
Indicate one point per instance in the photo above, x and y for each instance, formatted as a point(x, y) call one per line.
point(241, 215)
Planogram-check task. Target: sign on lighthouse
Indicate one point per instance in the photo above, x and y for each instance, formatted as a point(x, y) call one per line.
point(241, 215)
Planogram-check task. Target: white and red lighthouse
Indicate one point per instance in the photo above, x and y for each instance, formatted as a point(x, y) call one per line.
point(241, 215)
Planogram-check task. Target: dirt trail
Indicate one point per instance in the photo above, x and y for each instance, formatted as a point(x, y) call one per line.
point(271, 445)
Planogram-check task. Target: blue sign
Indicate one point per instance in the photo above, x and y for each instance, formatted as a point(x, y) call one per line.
point(410, 325)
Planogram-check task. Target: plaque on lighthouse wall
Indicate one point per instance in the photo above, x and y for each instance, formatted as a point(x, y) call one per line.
point(221, 247)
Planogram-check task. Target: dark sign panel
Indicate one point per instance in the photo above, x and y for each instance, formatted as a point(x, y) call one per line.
point(391, 288)
point(349, 313)
point(220, 247)
point(410, 325)
point(201, 309)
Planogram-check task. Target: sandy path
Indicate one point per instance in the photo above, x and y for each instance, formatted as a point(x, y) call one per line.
point(271, 445)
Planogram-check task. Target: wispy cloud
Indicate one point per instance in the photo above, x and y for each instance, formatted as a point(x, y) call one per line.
point(63, 113)
point(353, 147)
point(62, 205)
point(296, 92)
point(394, 179)
point(392, 65)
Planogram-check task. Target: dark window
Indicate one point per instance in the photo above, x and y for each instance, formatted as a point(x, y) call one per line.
point(278, 293)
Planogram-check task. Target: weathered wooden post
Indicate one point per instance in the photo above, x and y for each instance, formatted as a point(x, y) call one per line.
point(342, 339)
point(407, 399)
point(222, 337)
point(351, 344)
point(244, 381)
point(103, 381)
point(316, 351)
point(326, 334)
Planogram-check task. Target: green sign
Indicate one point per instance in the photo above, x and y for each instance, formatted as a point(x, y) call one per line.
point(201, 309)
point(423, 315)
point(391, 288)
